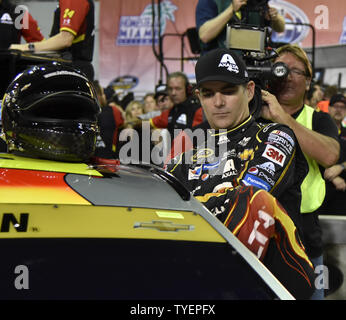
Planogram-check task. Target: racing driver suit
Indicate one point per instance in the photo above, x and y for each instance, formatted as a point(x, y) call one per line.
point(239, 175)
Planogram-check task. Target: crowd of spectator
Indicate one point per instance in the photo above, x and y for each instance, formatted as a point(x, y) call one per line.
point(147, 129)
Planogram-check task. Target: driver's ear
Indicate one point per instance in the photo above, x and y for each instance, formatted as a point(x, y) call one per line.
point(250, 90)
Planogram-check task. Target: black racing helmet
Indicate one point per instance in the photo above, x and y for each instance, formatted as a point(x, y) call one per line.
point(50, 112)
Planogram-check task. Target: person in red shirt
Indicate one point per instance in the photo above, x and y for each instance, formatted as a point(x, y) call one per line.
point(72, 31)
point(10, 19)
point(15, 23)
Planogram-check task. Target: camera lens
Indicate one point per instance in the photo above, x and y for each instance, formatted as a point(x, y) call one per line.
point(280, 70)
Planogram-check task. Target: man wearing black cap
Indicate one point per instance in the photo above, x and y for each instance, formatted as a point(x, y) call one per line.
point(337, 110)
point(335, 176)
point(241, 167)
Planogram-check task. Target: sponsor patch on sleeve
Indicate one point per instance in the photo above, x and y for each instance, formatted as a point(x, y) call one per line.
point(284, 142)
point(251, 180)
point(274, 154)
point(285, 135)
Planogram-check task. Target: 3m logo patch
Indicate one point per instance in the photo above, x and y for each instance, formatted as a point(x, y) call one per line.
point(274, 154)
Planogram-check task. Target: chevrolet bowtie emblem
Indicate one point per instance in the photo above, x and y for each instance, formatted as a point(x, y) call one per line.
point(164, 226)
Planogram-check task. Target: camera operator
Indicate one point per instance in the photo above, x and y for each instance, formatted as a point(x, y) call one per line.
point(316, 134)
point(212, 17)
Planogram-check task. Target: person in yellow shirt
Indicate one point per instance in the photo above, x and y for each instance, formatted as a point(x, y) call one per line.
point(317, 136)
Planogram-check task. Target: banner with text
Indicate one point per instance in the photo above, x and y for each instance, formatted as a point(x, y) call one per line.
point(129, 39)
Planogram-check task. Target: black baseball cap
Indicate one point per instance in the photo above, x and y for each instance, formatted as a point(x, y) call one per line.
point(160, 94)
point(221, 65)
point(339, 97)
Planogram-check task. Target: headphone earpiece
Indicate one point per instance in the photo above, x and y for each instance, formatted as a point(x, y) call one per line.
point(188, 89)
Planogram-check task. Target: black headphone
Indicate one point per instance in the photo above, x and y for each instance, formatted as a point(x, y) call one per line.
point(255, 105)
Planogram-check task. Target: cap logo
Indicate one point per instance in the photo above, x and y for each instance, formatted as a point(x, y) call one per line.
point(228, 62)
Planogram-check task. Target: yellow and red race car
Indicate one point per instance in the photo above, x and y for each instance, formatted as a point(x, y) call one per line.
point(73, 231)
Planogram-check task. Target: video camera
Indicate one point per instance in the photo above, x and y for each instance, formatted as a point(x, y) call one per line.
point(252, 42)
point(251, 38)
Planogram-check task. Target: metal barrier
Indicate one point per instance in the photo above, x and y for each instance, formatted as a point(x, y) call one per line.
point(334, 239)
